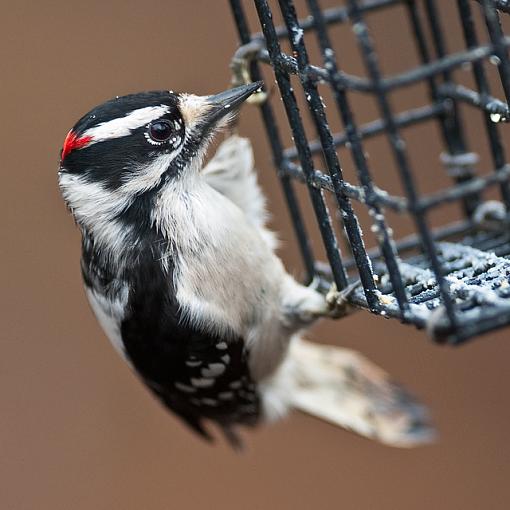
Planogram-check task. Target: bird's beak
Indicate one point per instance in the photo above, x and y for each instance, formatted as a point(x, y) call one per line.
point(228, 101)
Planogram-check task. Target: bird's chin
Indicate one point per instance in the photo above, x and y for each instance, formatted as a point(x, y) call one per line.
point(227, 121)
point(210, 130)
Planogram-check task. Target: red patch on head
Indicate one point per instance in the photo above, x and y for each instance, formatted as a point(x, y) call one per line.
point(73, 142)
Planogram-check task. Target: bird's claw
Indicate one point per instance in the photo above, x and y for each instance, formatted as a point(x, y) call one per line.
point(338, 301)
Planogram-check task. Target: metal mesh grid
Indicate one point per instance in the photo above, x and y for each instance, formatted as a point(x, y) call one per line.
point(454, 280)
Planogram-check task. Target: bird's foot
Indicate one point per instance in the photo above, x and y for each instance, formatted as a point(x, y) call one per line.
point(338, 301)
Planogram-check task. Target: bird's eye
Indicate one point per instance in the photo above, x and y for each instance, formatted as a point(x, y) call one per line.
point(160, 131)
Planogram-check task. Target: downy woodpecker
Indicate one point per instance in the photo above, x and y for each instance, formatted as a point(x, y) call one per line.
point(182, 274)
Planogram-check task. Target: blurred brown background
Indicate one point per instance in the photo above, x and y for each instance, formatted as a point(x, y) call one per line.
point(77, 429)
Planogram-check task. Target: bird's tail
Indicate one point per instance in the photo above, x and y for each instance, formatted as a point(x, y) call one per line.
point(344, 388)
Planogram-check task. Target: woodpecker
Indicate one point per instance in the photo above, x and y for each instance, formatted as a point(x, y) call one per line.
point(181, 272)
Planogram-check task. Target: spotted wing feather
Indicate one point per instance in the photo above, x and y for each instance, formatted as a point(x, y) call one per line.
point(196, 374)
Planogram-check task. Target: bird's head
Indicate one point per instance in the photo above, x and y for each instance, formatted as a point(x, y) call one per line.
point(131, 146)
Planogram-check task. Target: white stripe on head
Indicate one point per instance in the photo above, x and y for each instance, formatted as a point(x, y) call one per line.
point(122, 126)
point(96, 209)
point(146, 177)
point(91, 200)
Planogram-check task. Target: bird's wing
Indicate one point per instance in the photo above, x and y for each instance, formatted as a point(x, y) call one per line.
point(205, 386)
point(231, 172)
point(198, 375)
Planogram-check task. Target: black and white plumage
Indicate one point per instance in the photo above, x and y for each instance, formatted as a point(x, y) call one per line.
point(181, 272)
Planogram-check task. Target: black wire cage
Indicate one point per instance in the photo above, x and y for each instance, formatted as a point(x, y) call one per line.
point(453, 279)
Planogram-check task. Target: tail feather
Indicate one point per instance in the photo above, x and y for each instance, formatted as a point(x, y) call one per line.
point(344, 388)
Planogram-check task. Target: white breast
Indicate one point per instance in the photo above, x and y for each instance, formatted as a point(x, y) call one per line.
point(226, 276)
